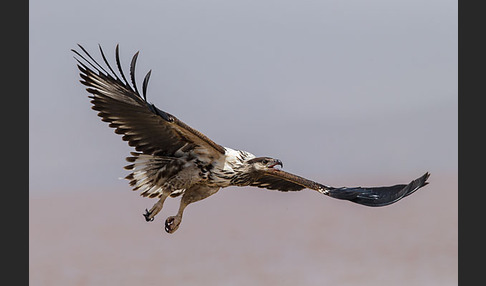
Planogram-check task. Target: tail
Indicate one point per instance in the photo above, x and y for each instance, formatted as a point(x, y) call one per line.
point(149, 173)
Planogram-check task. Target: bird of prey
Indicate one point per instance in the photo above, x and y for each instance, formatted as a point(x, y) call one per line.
point(173, 159)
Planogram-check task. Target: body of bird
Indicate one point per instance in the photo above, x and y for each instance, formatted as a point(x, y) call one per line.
point(173, 159)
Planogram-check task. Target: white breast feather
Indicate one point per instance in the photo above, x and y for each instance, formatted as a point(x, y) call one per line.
point(235, 158)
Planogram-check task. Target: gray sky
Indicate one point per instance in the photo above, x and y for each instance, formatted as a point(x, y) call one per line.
point(338, 90)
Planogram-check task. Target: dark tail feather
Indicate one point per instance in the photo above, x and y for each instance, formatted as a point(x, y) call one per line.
point(377, 196)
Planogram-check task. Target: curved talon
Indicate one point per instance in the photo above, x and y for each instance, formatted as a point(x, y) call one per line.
point(172, 224)
point(147, 216)
point(168, 223)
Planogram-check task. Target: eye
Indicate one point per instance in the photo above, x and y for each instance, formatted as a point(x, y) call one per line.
point(265, 161)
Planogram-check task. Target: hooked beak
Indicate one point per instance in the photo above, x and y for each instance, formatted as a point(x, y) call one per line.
point(275, 163)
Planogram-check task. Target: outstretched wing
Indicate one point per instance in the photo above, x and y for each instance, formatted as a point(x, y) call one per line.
point(145, 127)
point(275, 179)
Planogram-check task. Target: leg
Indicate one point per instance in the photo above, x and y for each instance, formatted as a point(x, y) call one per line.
point(149, 215)
point(192, 195)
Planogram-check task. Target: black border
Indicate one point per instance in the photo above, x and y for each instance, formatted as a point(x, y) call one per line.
point(471, 143)
point(15, 141)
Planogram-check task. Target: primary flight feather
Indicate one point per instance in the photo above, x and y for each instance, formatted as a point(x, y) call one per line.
point(173, 159)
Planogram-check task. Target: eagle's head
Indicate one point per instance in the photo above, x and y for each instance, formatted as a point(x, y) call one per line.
point(262, 163)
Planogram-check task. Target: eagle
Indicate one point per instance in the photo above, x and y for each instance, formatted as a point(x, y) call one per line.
point(172, 159)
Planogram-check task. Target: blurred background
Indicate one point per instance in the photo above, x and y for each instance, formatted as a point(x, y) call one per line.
point(346, 93)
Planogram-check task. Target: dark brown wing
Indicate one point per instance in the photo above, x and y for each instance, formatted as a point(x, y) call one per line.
point(275, 179)
point(145, 127)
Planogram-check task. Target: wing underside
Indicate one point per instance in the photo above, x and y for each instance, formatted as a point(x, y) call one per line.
point(145, 127)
